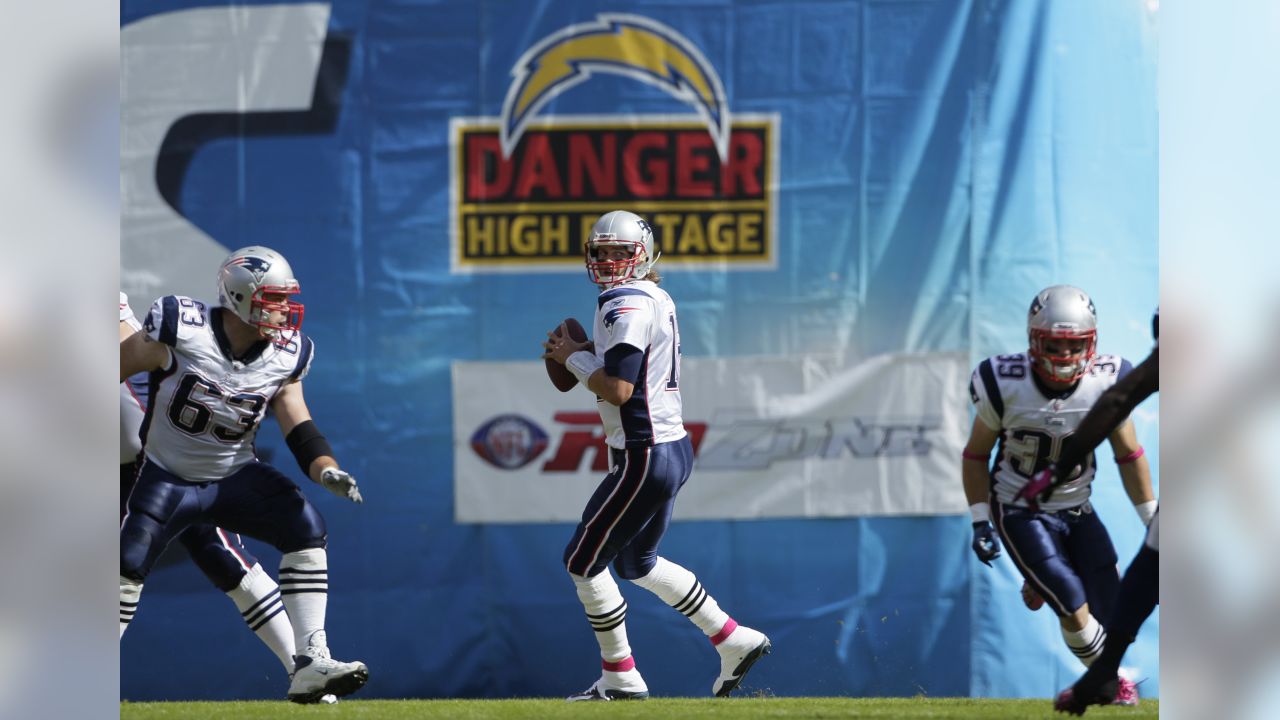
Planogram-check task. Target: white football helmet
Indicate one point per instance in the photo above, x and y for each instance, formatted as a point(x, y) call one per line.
point(620, 229)
point(1062, 327)
point(246, 277)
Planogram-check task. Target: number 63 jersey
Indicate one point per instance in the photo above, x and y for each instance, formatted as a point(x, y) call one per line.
point(1033, 422)
point(205, 405)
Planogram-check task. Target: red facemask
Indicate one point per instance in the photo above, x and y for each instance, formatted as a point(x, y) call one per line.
point(1062, 368)
point(262, 309)
point(613, 272)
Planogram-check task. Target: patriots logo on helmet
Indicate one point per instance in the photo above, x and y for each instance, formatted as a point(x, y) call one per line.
point(149, 325)
point(612, 316)
point(255, 265)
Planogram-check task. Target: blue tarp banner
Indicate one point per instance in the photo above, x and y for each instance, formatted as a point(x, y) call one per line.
point(846, 180)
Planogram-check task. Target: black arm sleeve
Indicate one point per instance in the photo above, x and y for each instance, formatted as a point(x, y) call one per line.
point(306, 443)
point(623, 362)
point(1109, 411)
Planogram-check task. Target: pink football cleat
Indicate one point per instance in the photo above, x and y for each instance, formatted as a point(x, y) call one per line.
point(1126, 692)
point(1066, 702)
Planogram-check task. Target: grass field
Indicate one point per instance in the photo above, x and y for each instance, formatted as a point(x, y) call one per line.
point(655, 708)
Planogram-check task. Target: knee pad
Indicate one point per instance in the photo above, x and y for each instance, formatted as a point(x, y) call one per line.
point(305, 530)
point(634, 568)
point(603, 558)
point(1062, 589)
point(223, 560)
point(138, 538)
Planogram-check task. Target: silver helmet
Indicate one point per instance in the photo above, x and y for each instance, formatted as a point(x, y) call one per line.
point(246, 279)
point(1062, 327)
point(620, 229)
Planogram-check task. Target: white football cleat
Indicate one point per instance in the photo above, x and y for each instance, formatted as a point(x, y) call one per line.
point(738, 653)
point(317, 676)
point(601, 691)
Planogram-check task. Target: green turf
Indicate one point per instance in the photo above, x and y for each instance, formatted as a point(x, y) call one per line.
point(771, 707)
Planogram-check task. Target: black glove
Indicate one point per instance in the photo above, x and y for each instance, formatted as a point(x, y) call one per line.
point(986, 544)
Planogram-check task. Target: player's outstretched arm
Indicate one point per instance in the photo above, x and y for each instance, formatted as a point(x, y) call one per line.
point(1109, 411)
point(309, 446)
point(139, 353)
point(1135, 473)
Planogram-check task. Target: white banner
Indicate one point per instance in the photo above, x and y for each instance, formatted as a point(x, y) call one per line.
point(773, 437)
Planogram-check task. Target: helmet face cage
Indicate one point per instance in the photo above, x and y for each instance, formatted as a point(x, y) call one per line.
point(262, 310)
point(246, 280)
point(619, 229)
point(1061, 316)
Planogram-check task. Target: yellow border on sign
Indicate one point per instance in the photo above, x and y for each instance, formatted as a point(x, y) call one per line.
point(460, 127)
point(645, 206)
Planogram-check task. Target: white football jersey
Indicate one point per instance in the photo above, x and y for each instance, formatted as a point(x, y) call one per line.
point(131, 406)
point(642, 315)
point(206, 406)
point(1033, 425)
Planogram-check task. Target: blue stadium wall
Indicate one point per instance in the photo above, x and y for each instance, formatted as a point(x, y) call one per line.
point(939, 161)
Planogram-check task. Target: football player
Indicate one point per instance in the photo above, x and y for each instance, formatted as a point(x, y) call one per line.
point(213, 372)
point(1140, 588)
point(220, 555)
point(634, 372)
point(1031, 403)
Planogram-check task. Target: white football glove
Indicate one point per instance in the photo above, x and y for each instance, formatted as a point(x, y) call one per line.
point(340, 483)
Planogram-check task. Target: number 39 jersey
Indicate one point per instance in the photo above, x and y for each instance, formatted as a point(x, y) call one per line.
point(206, 406)
point(642, 315)
point(1033, 423)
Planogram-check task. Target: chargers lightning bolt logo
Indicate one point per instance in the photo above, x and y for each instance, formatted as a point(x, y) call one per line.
point(621, 44)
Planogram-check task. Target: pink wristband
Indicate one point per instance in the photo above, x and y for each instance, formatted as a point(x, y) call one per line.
point(1130, 457)
point(974, 456)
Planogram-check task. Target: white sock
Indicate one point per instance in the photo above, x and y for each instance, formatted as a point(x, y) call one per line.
point(680, 589)
point(130, 591)
point(1087, 643)
point(607, 613)
point(304, 588)
point(258, 599)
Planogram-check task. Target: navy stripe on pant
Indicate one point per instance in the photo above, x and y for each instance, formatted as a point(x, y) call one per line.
point(629, 512)
point(1066, 556)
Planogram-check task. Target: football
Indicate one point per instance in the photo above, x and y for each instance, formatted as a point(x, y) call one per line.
point(559, 374)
